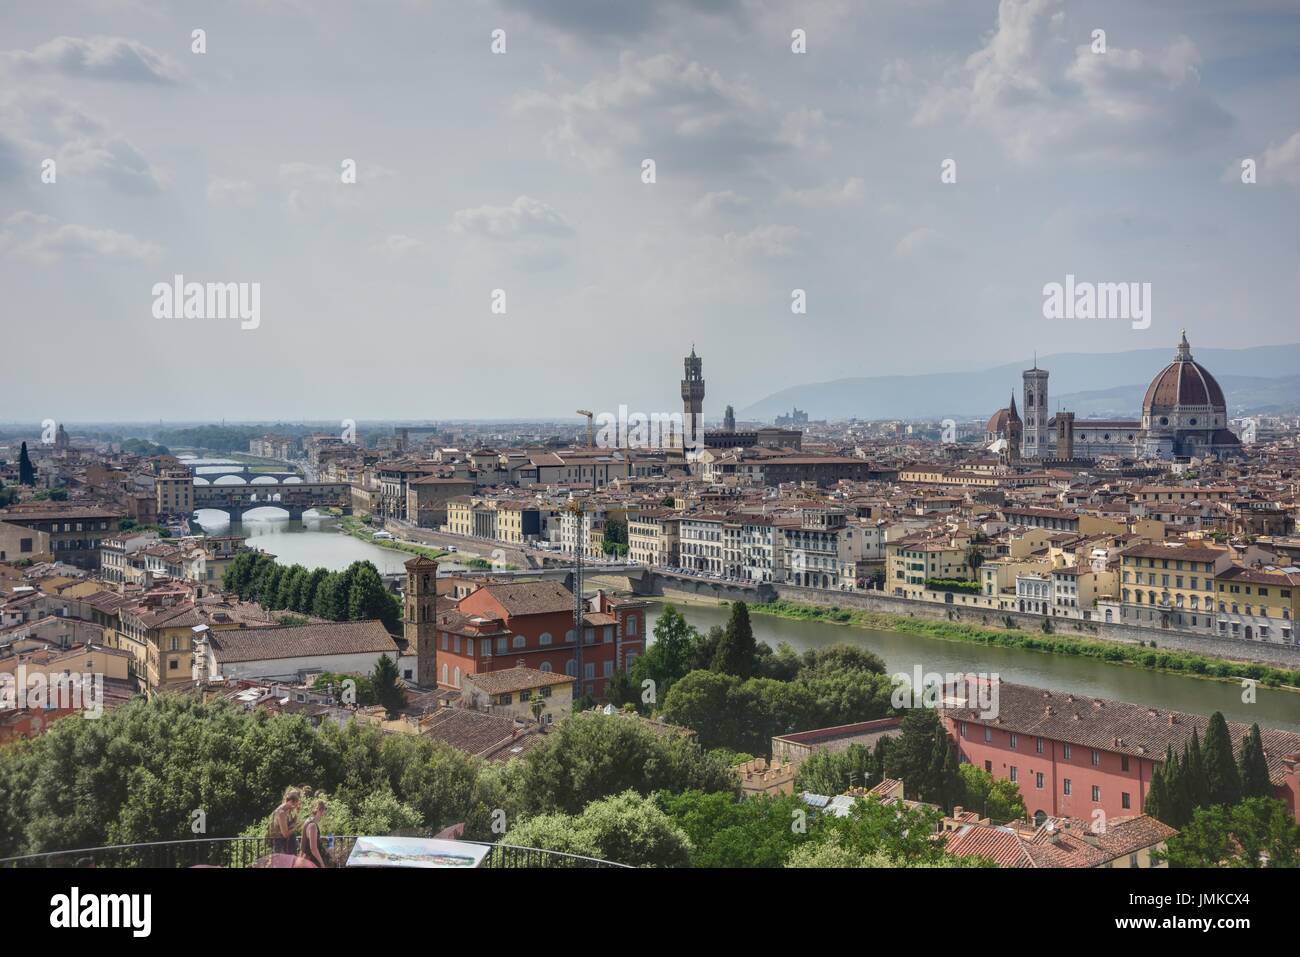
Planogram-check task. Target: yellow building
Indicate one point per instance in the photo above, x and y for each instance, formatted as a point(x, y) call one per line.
point(1257, 604)
point(1171, 584)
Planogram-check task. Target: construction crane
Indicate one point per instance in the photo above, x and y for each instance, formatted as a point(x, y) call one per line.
point(590, 443)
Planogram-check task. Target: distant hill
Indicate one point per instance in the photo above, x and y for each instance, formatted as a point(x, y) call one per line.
point(1259, 379)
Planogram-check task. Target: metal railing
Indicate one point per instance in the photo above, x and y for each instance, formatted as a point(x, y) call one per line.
point(242, 852)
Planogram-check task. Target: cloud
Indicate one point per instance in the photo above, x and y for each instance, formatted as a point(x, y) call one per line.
point(603, 19)
point(313, 186)
point(835, 193)
point(723, 203)
point(222, 191)
point(675, 111)
point(401, 246)
point(107, 58)
point(524, 217)
point(1281, 164)
point(43, 239)
point(40, 125)
point(764, 242)
point(1025, 88)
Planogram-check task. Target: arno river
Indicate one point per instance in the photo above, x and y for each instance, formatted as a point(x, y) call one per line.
point(1083, 676)
point(318, 541)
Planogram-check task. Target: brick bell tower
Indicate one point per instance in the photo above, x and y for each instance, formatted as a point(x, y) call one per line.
point(420, 621)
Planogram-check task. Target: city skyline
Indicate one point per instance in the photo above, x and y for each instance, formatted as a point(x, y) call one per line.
point(523, 171)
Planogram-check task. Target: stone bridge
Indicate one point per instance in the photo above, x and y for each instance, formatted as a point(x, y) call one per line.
point(295, 498)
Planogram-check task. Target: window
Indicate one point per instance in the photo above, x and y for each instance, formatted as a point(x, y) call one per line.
point(1096, 792)
point(589, 669)
point(546, 666)
point(501, 646)
point(1013, 739)
point(568, 635)
point(1067, 786)
point(988, 734)
point(1013, 773)
point(571, 667)
point(961, 726)
point(1123, 762)
point(1096, 759)
point(545, 638)
point(1065, 752)
point(988, 766)
point(1038, 780)
point(1124, 800)
point(518, 641)
point(631, 624)
point(1038, 745)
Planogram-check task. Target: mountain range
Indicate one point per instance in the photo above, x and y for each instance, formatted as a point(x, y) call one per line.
point(1261, 379)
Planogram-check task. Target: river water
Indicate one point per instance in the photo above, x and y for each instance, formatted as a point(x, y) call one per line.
point(314, 542)
point(1083, 676)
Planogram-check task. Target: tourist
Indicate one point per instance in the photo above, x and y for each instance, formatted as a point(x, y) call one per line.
point(312, 853)
point(284, 822)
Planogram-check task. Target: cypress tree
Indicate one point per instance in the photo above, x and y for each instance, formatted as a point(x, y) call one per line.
point(1193, 768)
point(1178, 804)
point(26, 471)
point(1254, 766)
point(737, 653)
point(1156, 804)
point(1222, 780)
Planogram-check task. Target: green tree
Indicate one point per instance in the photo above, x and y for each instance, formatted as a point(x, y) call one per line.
point(1222, 779)
point(727, 832)
point(330, 601)
point(922, 759)
point(26, 471)
point(835, 772)
point(666, 660)
point(592, 756)
point(627, 828)
point(995, 798)
point(1254, 766)
point(290, 581)
point(388, 686)
point(1258, 832)
point(368, 599)
point(736, 653)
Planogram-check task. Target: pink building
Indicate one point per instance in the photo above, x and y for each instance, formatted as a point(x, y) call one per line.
point(1073, 755)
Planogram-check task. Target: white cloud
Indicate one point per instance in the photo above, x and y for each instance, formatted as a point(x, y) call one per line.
point(1281, 164)
point(765, 242)
point(223, 191)
point(313, 186)
point(41, 125)
point(109, 58)
point(722, 203)
point(39, 238)
point(835, 193)
point(524, 217)
point(673, 110)
point(401, 246)
point(1041, 103)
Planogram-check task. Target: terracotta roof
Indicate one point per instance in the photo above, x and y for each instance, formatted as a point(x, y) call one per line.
point(302, 641)
point(531, 598)
point(516, 679)
point(1115, 726)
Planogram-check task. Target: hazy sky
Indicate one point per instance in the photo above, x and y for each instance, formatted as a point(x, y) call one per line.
point(522, 171)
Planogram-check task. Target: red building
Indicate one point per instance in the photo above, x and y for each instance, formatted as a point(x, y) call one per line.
point(499, 626)
point(1072, 755)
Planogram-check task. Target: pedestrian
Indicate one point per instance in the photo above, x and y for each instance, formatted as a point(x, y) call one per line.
point(284, 822)
point(312, 852)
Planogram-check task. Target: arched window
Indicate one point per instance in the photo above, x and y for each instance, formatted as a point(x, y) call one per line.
point(546, 666)
point(545, 638)
point(568, 636)
point(457, 674)
point(444, 672)
point(517, 642)
point(571, 667)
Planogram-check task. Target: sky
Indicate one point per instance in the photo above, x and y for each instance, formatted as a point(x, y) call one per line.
point(524, 171)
